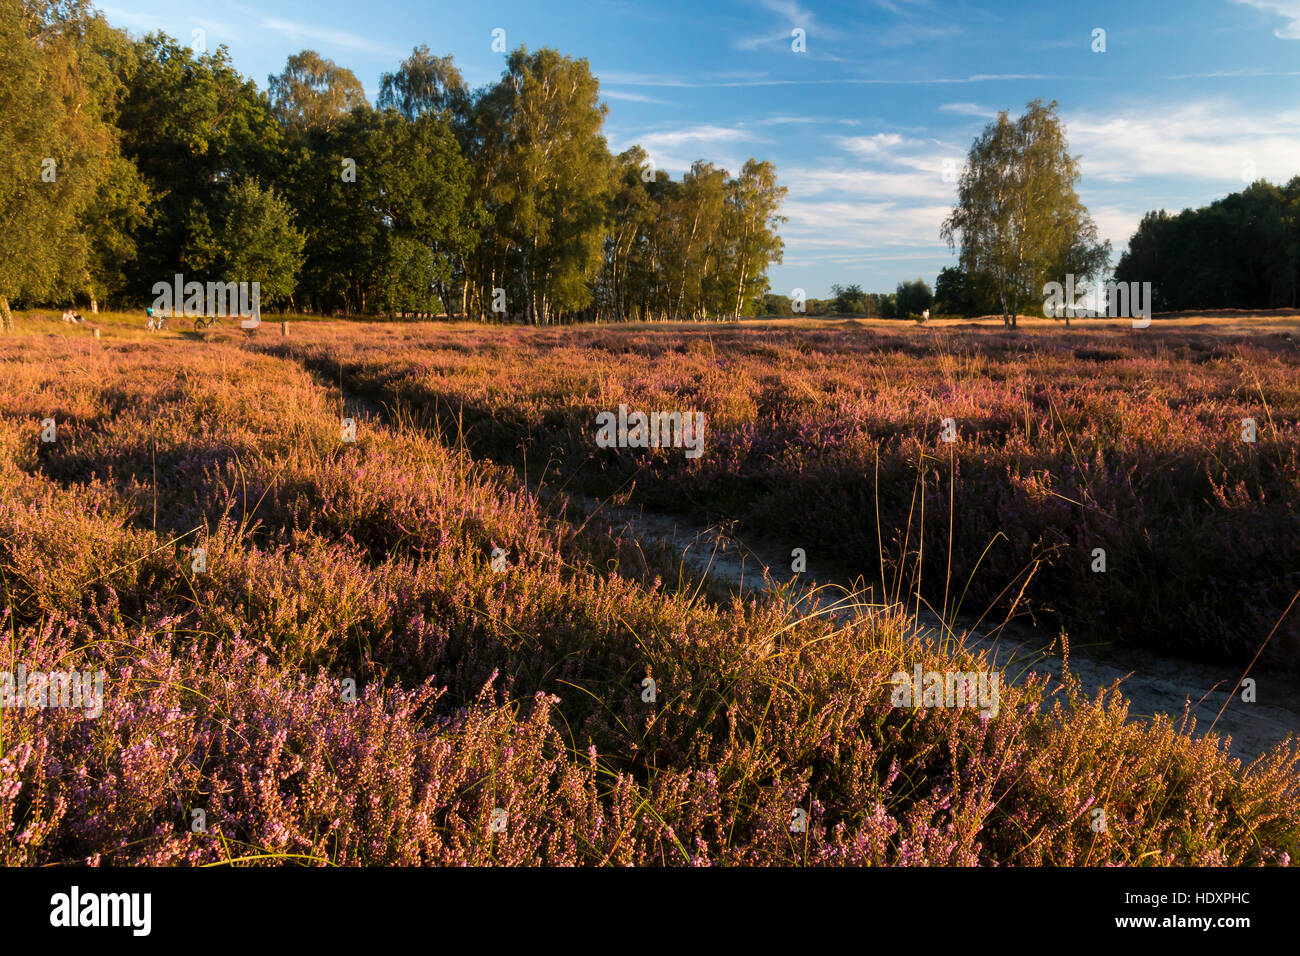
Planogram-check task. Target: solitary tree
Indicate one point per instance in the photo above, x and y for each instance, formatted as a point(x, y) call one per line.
point(1018, 219)
point(750, 227)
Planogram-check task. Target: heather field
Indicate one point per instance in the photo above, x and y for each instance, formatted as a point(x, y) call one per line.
point(398, 650)
point(829, 437)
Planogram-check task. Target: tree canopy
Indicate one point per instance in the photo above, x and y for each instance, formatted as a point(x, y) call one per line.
point(128, 161)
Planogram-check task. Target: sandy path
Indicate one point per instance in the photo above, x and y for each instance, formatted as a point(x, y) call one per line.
point(1153, 683)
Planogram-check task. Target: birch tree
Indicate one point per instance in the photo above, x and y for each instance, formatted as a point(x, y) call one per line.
point(1018, 217)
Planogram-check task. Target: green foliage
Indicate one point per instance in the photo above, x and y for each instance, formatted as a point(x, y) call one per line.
point(912, 298)
point(957, 293)
point(313, 92)
point(777, 305)
point(365, 189)
point(428, 204)
point(693, 249)
point(425, 84)
point(1018, 219)
point(849, 299)
point(192, 126)
point(548, 182)
point(58, 149)
point(259, 243)
point(1242, 251)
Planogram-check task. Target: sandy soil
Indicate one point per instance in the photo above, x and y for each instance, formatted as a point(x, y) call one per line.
point(1154, 684)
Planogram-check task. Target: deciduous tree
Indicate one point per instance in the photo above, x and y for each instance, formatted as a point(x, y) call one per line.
point(1018, 219)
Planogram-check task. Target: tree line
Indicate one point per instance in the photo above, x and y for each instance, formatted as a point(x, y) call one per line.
point(128, 161)
point(1241, 252)
point(909, 300)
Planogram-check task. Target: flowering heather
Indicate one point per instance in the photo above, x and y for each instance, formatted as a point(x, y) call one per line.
point(829, 438)
point(353, 677)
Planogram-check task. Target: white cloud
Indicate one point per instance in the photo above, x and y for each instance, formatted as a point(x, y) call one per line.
point(761, 79)
point(969, 109)
point(792, 16)
point(869, 147)
point(793, 120)
point(640, 79)
point(1219, 74)
point(704, 133)
point(1188, 140)
point(892, 194)
point(1116, 223)
point(300, 31)
point(839, 225)
point(1289, 10)
point(909, 34)
point(629, 97)
point(762, 40)
point(674, 150)
point(923, 182)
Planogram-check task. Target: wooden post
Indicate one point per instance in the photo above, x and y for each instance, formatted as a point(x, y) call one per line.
point(284, 328)
point(96, 333)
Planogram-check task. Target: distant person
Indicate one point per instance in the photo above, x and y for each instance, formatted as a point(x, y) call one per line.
point(925, 316)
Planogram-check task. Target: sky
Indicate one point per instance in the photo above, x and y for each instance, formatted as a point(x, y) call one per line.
point(1188, 101)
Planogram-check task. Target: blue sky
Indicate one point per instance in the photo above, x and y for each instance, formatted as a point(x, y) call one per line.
point(1190, 99)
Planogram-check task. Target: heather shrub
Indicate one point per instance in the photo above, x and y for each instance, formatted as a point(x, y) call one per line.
point(1066, 444)
point(486, 694)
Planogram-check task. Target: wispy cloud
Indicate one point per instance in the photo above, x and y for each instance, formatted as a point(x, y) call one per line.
point(344, 38)
point(1186, 140)
point(909, 34)
point(791, 16)
point(794, 120)
point(889, 193)
point(675, 149)
point(1289, 10)
point(969, 109)
point(879, 145)
point(630, 97)
point(904, 8)
point(652, 79)
point(641, 79)
point(1220, 74)
point(703, 133)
